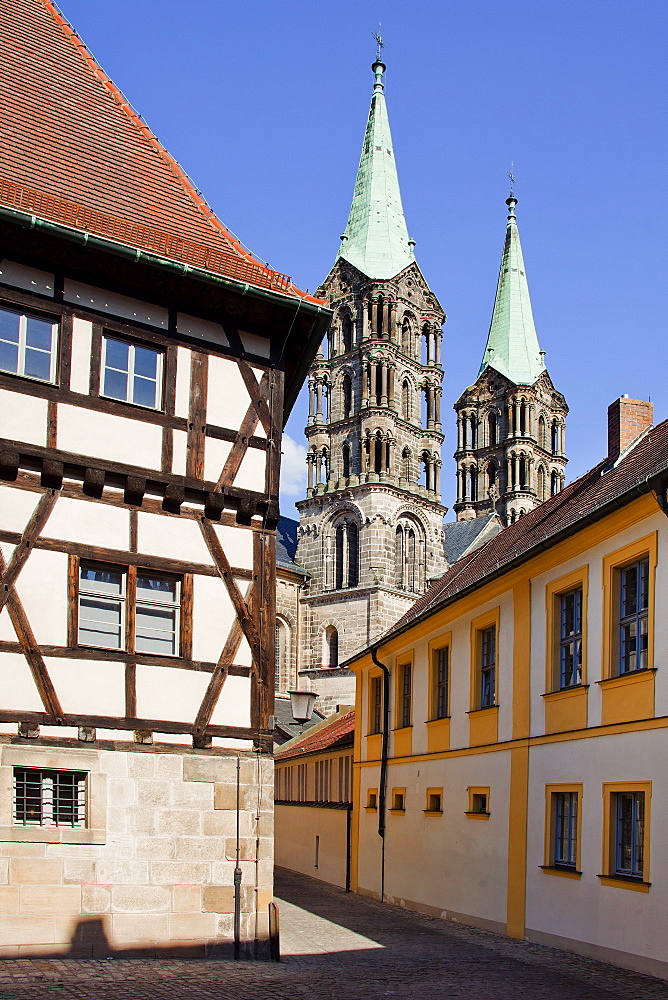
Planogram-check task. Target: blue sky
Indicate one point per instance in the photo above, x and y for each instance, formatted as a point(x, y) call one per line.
point(264, 104)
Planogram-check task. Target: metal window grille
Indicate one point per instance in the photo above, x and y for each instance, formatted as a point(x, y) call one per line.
point(442, 679)
point(570, 638)
point(49, 798)
point(488, 667)
point(565, 828)
point(630, 834)
point(28, 345)
point(132, 373)
point(633, 616)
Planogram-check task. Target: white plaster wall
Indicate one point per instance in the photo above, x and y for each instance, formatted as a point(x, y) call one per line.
point(228, 397)
point(182, 399)
point(106, 435)
point(90, 523)
point(215, 456)
point(82, 336)
point(16, 507)
point(254, 344)
point(203, 329)
point(252, 471)
point(179, 452)
point(585, 910)
point(233, 705)
point(17, 686)
point(237, 544)
point(173, 537)
point(168, 693)
point(114, 304)
point(213, 615)
point(88, 687)
point(20, 276)
point(42, 587)
point(22, 418)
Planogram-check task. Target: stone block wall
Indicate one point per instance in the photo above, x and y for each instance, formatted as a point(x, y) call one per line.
point(156, 875)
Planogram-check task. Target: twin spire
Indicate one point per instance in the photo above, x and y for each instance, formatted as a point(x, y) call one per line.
point(376, 242)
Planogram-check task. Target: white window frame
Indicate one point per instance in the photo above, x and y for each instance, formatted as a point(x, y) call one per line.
point(132, 347)
point(121, 599)
point(53, 351)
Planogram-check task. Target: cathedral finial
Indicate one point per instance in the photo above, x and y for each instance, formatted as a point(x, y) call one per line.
point(511, 200)
point(378, 66)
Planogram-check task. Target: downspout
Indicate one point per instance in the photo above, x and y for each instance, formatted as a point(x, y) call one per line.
point(382, 784)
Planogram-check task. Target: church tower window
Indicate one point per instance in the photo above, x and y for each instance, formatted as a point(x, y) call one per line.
point(555, 438)
point(345, 456)
point(542, 432)
point(492, 429)
point(346, 333)
point(406, 399)
point(347, 389)
point(330, 648)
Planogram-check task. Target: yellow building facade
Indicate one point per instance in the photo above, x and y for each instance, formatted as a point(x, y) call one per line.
point(523, 709)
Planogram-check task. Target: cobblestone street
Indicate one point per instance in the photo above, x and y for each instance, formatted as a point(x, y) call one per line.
point(338, 945)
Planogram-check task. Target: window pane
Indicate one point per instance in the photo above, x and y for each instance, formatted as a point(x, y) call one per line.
point(157, 589)
point(101, 579)
point(39, 334)
point(146, 363)
point(144, 393)
point(115, 384)
point(100, 622)
point(156, 630)
point(116, 354)
point(37, 364)
point(9, 357)
point(9, 326)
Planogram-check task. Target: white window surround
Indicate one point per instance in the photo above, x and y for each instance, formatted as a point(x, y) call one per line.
point(132, 372)
point(28, 345)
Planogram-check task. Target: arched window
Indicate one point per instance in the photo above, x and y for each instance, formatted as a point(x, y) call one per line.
point(541, 482)
point(345, 461)
point(347, 333)
point(330, 647)
point(282, 655)
point(542, 432)
point(381, 315)
point(555, 438)
point(379, 384)
point(523, 417)
point(491, 475)
point(523, 472)
point(425, 462)
point(425, 357)
point(406, 463)
point(473, 431)
point(347, 395)
point(339, 551)
point(406, 337)
point(378, 453)
point(406, 399)
point(408, 556)
point(346, 555)
point(474, 482)
point(554, 482)
point(353, 555)
point(492, 429)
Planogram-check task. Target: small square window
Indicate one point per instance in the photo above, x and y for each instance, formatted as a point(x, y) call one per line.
point(372, 799)
point(398, 800)
point(478, 802)
point(49, 798)
point(131, 372)
point(28, 345)
point(434, 800)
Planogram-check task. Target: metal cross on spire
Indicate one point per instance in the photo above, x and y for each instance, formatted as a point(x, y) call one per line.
point(511, 175)
point(379, 43)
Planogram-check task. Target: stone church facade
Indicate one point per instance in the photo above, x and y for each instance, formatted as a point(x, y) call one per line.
point(371, 536)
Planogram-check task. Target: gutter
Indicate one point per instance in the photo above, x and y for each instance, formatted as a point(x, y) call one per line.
point(382, 783)
point(639, 489)
point(28, 221)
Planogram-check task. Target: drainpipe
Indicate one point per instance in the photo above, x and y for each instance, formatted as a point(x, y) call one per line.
point(382, 784)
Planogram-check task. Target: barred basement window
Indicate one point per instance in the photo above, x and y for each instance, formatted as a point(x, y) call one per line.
point(49, 798)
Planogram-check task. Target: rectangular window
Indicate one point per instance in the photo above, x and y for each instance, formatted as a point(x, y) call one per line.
point(478, 802)
point(49, 798)
point(149, 623)
point(398, 800)
point(570, 638)
point(565, 829)
point(629, 834)
point(434, 800)
point(131, 372)
point(633, 616)
point(488, 667)
point(376, 705)
point(372, 798)
point(28, 345)
point(441, 682)
point(405, 695)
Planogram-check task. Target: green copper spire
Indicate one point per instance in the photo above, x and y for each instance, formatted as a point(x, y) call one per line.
point(376, 239)
point(512, 345)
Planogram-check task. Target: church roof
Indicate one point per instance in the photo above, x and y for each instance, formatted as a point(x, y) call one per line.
point(376, 240)
point(461, 537)
point(512, 344)
point(75, 152)
point(334, 734)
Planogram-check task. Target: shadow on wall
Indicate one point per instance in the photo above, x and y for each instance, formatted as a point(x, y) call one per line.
point(90, 940)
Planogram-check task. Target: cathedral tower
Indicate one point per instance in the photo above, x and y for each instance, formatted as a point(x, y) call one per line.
point(370, 531)
point(511, 422)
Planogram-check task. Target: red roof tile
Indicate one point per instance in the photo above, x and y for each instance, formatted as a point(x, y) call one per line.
point(326, 737)
point(570, 511)
point(75, 152)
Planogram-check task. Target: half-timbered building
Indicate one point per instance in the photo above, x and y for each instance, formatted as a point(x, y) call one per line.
point(147, 364)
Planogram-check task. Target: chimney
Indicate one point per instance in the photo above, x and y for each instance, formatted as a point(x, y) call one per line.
point(627, 420)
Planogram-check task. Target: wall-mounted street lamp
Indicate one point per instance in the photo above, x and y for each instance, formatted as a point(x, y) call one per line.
point(302, 704)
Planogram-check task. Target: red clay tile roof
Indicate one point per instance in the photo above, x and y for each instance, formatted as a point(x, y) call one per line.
point(75, 152)
point(327, 737)
point(570, 511)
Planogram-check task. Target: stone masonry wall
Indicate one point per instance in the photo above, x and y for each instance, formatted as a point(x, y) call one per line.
point(162, 880)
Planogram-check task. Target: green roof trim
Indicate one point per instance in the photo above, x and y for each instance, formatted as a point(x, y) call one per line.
point(376, 240)
point(512, 343)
